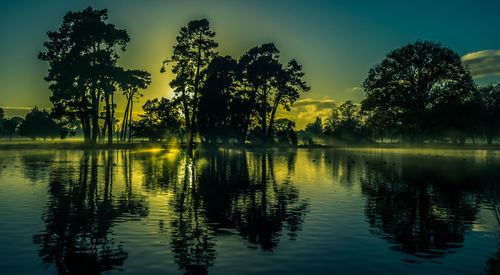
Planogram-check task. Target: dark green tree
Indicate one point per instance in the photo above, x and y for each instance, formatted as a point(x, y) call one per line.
point(413, 83)
point(82, 56)
point(219, 115)
point(161, 119)
point(288, 87)
point(193, 52)
point(345, 123)
point(283, 129)
point(131, 82)
point(488, 108)
point(261, 69)
point(39, 124)
point(315, 129)
point(8, 127)
point(270, 85)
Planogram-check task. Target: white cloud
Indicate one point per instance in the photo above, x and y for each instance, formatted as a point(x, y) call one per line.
point(483, 63)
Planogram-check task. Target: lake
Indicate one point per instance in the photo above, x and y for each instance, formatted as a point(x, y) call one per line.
point(235, 211)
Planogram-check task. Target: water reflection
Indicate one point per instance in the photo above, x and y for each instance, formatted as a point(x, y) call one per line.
point(425, 205)
point(82, 210)
point(217, 192)
point(209, 194)
point(193, 202)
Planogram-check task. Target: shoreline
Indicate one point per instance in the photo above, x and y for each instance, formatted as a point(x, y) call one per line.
point(77, 145)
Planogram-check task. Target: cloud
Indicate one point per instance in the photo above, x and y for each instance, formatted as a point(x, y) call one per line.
point(306, 110)
point(483, 63)
point(11, 111)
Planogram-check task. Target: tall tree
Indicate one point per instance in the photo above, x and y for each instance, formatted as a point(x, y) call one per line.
point(488, 111)
point(270, 85)
point(218, 115)
point(288, 87)
point(413, 82)
point(194, 49)
point(82, 56)
point(131, 82)
point(261, 68)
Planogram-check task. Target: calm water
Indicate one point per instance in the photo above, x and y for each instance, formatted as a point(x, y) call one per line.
point(237, 212)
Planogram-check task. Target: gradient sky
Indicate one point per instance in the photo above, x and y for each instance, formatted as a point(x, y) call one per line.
point(336, 41)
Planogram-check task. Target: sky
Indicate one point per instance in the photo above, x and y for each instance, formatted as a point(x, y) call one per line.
point(337, 42)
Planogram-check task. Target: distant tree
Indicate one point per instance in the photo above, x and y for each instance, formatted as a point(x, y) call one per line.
point(161, 119)
point(39, 124)
point(284, 131)
point(413, 83)
point(270, 85)
point(130, 82)
point(345, 123)
point(1, 121)
point(8, 127)
point(192, 54)
point(82, 56)
point(315, 129)
point(488, 110)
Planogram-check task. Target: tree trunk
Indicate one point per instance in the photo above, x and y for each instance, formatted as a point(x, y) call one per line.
point(108, 120)
point(263, 113)
point(124, 122)
point(95, 117)
point(271, 120)
point(85, 121)
point(130, 122)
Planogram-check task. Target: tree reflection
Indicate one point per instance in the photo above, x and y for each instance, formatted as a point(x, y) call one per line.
point(218, 191)
point(423, 206)
point(81, 212)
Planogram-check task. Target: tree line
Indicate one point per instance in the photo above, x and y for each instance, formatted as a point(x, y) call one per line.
point(216, 98)
point(419, 93)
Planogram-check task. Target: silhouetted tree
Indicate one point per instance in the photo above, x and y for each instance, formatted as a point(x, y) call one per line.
point(219, 115)
point(345, 123)
point(283, 129)
point(261, 68)
point(161, 118)
point(39, 124)
point(8, 127)
point(192, 53)
point(131, 81)
point(288, 87)
point(488, 108)
point(315, 129)
point(413, 83)
point(82, 56)
point(270, 85)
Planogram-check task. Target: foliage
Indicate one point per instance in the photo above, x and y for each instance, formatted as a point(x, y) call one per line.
point(283, 129)
point(314, 130)
point(39, 124)
point(415, 83)
point(192, 54)
point(345, 123)
point(83, 71)
point(161, 120)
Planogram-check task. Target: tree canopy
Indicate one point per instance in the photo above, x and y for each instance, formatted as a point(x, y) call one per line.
point(413, 84)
